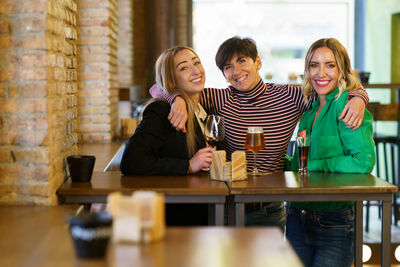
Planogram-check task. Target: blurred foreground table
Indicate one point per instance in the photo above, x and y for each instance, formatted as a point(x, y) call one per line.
point(197, 188)
point(36, 236)
point(39, 236)
point(288, 186)
point(211, 247)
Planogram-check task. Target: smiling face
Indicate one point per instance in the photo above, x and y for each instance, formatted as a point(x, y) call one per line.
point(323, 71)
point(242, 72)
point(188, 72)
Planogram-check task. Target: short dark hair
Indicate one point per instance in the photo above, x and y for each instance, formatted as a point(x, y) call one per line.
point(236, 45)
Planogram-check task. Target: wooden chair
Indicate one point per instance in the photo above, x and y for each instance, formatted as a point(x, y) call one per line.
point(387, 168)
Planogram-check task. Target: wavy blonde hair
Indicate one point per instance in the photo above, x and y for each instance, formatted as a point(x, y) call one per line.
point(165, 79)
point(347, 79)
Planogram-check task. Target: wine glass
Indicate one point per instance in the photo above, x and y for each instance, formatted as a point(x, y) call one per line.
point(255, 141)
point(214, 130)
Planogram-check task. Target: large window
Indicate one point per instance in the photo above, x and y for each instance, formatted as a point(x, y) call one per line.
point(283, 31)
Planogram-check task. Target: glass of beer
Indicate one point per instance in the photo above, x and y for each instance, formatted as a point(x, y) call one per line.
point(303, 145)
point(255, 141)
point(214, 130)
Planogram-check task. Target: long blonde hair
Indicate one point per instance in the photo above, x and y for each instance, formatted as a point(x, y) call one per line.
point(164, 71)
point(347, 79)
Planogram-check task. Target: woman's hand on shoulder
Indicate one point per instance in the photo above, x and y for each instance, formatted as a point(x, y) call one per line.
point(178, 114)
point(353, 113)
point(202, 159)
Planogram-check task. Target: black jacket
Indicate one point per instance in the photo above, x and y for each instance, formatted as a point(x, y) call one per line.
point(156, 148)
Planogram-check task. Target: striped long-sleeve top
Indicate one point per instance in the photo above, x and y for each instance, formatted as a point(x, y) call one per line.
point(275, 108)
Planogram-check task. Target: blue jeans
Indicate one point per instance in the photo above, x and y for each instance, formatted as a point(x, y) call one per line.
point(322, 238)
point(269, 214)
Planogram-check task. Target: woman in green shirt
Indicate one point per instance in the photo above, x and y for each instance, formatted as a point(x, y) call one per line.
point(322, 233)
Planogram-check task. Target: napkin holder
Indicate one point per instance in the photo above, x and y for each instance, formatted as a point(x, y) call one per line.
point(137, 218)
point(235, 170)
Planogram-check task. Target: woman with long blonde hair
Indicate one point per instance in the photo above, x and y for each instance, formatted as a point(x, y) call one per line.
point(156, 148)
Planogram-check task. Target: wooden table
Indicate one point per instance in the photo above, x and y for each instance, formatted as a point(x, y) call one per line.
point(287, 186)
point(210, 246)
point(177, 189)
point(36, 236)
point(39, 236)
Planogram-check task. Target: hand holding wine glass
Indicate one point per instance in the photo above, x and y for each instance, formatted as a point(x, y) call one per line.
point(255, 141)
point(214, 130)
point(201, 160)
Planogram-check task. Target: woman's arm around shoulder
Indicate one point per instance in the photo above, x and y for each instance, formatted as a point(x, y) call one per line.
point(295, 95)
point(211, 99)
point(214, 99)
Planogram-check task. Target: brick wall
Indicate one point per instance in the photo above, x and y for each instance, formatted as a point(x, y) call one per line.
point(37, 103)
point(98, 86)
point(59, 83)
point(125, 43)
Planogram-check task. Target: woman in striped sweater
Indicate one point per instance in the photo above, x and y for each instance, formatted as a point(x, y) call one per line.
point(248, 101)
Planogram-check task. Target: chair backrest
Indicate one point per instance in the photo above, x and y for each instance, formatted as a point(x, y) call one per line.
point(388, 158)
point(114, 163)
point(291, 147)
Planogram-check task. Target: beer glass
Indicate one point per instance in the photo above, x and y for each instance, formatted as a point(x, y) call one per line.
point(214, 130)
point(255, 141)
point(303, 145)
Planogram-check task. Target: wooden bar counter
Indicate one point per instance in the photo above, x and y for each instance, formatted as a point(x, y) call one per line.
point(177, 189)
point(106, 179)
point(288, 186)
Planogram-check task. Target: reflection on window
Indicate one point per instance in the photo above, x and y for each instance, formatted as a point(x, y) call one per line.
point(283, 31)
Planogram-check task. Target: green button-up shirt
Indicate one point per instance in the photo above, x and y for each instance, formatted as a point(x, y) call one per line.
point(335, 148)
